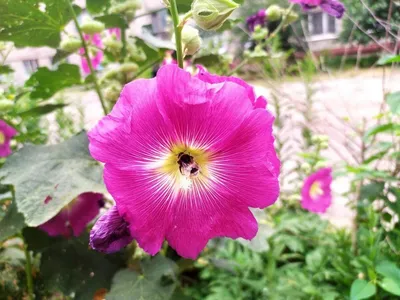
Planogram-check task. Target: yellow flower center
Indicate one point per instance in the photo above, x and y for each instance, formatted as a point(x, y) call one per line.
point(316, 190)
point(2, 138)
point(186, 166)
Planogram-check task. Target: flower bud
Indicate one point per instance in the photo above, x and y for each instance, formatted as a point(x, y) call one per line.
point(191, 40)
point(6, 105)
point(305, 167)
point(70, 44)
point(274, 13)
point(123, 8)
point(112, 44)
point(128, 67)
point(324, 145)
point(260, 33)
point(361, 275)
point(211, 14)
point(289, 16)
point(135, 52)
point(92, 27)
point(111, 93)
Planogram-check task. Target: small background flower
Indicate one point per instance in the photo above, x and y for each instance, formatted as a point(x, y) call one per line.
point(316, 192)
point(96, 55)
point(6, 134)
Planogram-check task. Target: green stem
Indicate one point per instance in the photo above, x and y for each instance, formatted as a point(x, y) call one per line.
point(85, 47)
point(173, 8)
point(238, 67)
point(279, 28)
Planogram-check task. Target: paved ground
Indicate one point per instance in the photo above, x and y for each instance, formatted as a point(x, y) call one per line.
point(340, 104)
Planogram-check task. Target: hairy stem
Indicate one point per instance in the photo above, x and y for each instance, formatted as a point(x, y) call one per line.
point(173, 8)
point(85, 47)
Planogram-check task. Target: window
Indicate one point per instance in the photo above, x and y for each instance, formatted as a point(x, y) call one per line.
point(31, 65)
point(320, 23)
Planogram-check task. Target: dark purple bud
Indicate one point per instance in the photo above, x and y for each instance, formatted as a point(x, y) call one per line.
point(334, 8)
point(110, 233)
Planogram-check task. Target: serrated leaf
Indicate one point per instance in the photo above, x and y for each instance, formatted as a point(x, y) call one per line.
point(12, 223)
point(72, 268)
point(6, 70)
point(130, 285)
point(112, 21)
point(40, 110)
point(361, 289)
point(391, 286)
point(96, 7)
point(45, 83)
point(393, 100)
point(33, 22)
point(61, 172)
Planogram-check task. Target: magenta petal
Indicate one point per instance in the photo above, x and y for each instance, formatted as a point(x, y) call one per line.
point(110, 233)
point(7, 133)
point(319, 203)
point(73, 219)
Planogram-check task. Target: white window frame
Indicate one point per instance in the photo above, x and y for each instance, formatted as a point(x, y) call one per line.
point(325, 27)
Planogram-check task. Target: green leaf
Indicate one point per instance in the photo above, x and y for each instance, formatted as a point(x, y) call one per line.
point(45, 83)
point(388, 269)
point(390, 127)
point(61, 172)
point(72, 268)
point(314, 259)
point(361, 289)
point(41, 110)
point(6, 70)
point(393, 100)
point(38, 240)
point(388, 59)
point(33, 22)
point(112, 21)
point(96, 7)
point(372, 191)
point(12, 223)
point(152, 284)
point(60, 55)
point(391, 286)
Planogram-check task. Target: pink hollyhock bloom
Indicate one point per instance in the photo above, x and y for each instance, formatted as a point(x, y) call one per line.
point(185, 159)
point(95, 40)
point(73, 219)
point(259, 102)
point(116, 31)
point(334, 8)
point(260, 18)
point(316, 192)
point(6, 133)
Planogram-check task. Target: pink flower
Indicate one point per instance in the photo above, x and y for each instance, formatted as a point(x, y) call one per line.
point(185, 159)
point(6, 133)
point(94, 40)
point(334, 8)
point(316, 192)
point(73, 219)
point(116, 31)
point(260, 18)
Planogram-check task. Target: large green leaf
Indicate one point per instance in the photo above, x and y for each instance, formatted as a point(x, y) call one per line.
point(361, 289)
point(112, 21)
point(33, 22)
point(45, 83)
point(97, 6)
point(72, 268)
point(391, 286)
point(390, 127)
point(393, 100)
point(12, 223)
point(57, 172)
point(388, 269)
point(157, 281)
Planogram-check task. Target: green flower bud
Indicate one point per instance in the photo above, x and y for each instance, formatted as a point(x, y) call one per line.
point(128, 67)
point(319, 138)
point(92, 27)
point(324, 145)
point(70, 44)
point(211, 14)
point(110, 74)
point(321, 164)
point(294, 198)
point(127, 6)
point(305, 167)
point(289, 17)
point(260, 33)
point(112, 92)
point(191, 41)
point(166, 2)
point(135, 52)
point(6, 105)
point(112, 44)
point(274, 13)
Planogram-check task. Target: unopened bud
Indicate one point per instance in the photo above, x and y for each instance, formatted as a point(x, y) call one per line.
point(324, 145)
point(289, 16)
point(112, 44)
point(92, 27)
point(136, 53)
point(70, 44)
point(191, 41)
point(260, 33)
point(129, 67)
point(212, 14)
point(305, 167)
point(274, 13)
point(111, 93)
point(361, 275)
point(127, 6)
point(6, 105)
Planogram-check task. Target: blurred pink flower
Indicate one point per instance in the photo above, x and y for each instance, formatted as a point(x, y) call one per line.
point(186, 158)
point(116, 31)
point(316, 192)
point(6, 133)
point(73, 219)
point(93, 40)
point(334, 8)
point(260, 18)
